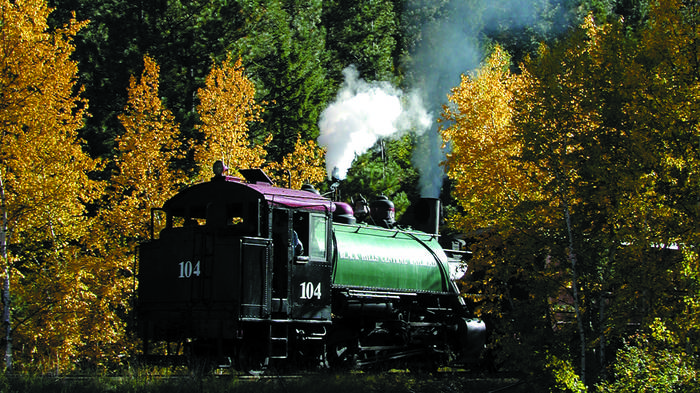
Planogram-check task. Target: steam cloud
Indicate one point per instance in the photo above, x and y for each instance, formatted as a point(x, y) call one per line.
point(362, 113)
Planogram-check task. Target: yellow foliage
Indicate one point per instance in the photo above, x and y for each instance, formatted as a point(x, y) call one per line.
point(41, 160)
point(227, 105)
point(44, 174)
point(306, 164)
point(565, 377)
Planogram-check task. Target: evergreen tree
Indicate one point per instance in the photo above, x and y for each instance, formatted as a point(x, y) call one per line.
point(385, 169)
point(284, 53)
point(365, 34)
point(182, 36)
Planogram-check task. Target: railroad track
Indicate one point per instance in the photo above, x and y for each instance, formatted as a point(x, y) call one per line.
point(392, 381)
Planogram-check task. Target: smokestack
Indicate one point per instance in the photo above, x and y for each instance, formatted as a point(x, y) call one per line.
point(427, 215)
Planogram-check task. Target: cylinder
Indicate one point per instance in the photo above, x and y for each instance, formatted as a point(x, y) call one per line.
point(358, 309)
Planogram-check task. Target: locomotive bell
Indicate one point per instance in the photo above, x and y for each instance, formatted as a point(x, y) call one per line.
point(310, 188)
point(361, 209)
point(382, 211)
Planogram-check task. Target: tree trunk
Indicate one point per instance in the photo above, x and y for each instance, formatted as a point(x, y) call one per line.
point(563, 187)
point(6, 314)
point(574, 285)
point(603, 299)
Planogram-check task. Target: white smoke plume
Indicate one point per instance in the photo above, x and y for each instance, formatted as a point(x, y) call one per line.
point(362, 113)
point(448, 47)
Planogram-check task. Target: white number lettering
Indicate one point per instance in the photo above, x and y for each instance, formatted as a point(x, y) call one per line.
point(308, 290)
point(187, 270)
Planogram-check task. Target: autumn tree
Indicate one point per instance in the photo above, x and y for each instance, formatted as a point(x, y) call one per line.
point(385, 169)
point(145, 176)
point(613, 118)
point(672, 115)
point(503, 208)
point(659, 99)
point(44, 186)
point(227, 107)
point(556, 132)
point(489, 182)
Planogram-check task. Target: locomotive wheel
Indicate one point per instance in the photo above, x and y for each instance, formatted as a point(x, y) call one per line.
point(342, 354)
point(198, 356)
point(251, 358)
point(427, 365)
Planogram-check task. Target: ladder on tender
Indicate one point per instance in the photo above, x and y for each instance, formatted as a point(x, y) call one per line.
point(279, 341)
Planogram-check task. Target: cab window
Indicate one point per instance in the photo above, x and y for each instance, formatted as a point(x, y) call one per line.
point(239, 217)
point(317, 244)
point(311, 230)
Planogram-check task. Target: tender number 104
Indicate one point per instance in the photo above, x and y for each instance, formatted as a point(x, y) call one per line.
point(187, 269)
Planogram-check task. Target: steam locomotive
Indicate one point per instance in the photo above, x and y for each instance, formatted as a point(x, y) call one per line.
point(248, 273)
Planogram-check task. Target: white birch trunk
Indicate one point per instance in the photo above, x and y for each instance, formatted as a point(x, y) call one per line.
point(6, 304)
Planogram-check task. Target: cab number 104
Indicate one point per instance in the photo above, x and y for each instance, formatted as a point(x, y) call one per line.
point(310, 291)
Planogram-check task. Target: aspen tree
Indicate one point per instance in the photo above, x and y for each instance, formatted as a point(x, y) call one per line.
point(227, 106)
point(304, 165)
point(147, 150)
